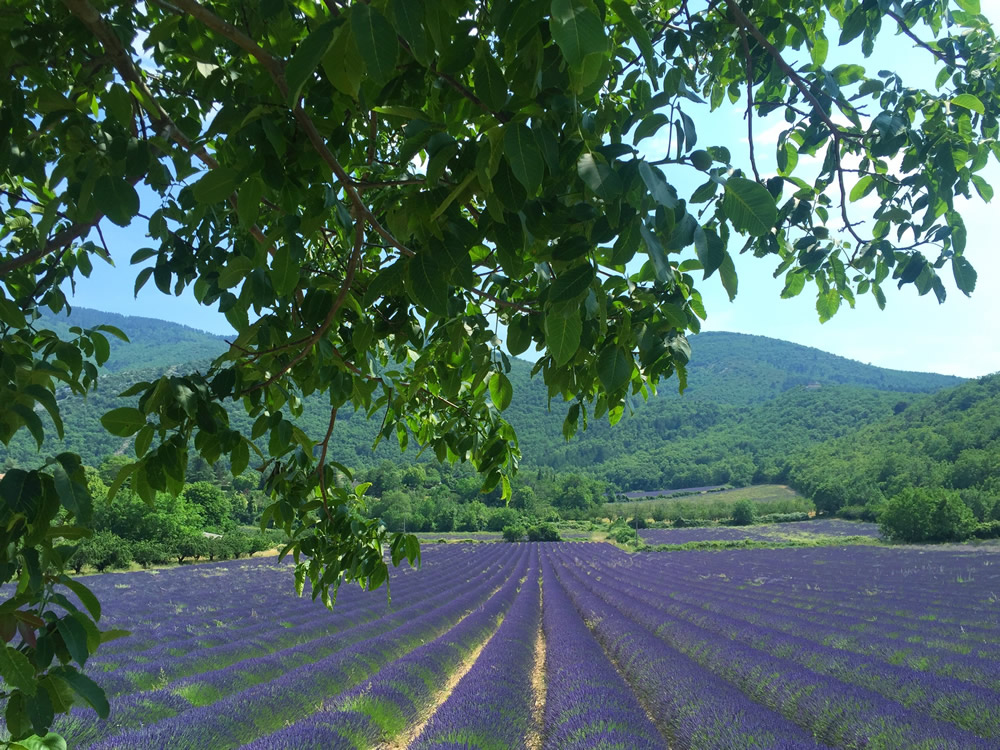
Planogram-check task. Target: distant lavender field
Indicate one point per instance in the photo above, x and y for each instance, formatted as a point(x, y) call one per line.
point(556, 646)
point(765, 533)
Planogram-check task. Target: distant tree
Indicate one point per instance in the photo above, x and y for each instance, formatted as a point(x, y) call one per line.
point(926, 515)
point(215, 505)
point(101, 551)
point(513, 533)
point(744, 513)
point(543, 532)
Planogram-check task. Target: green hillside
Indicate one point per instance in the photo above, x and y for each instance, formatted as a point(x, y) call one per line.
point(750, 401)
point(946, 440)
point(152, 343)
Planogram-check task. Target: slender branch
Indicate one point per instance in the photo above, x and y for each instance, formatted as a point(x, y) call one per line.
point(920, 42)
point(321, 466)
point(748, 58)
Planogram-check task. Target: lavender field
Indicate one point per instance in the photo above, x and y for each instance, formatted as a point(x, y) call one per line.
point(561, 646)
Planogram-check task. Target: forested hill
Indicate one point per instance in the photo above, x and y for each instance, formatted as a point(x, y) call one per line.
point(152, 343)
point(946, 440)
point(750, 400)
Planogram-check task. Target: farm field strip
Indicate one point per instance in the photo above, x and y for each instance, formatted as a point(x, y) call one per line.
point(734, 647)
point(587, 703)
point(883, 648)
point(491, 705)
point(392, 701)
point(775, 532)
point(251, 678)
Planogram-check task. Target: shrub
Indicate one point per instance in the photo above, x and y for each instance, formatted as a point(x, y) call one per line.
point(624, 536)
point(543, 532)
point(102, 551)
point(192, 545)
point(858, 513)
point(689, 523)
point(744, 513)
point(148, 553)
point(513, 533)
point(924, 515)
point(987, 530)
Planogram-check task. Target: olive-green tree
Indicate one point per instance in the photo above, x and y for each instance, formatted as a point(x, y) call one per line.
point(371, 192)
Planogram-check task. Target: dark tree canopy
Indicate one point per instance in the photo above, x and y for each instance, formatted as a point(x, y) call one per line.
point(373, 192)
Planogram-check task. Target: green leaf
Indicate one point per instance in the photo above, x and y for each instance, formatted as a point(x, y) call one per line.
point(376, 40)
point(648, 126)
point(827, 304)
point(427, 283)
point(216, 186)
point(727, 272)
point(984, 188)
point(250, 196)
point(524, 156)
point(17, 671)
point(862, 188)
point(710, 250)
point(116, 199)
point(794, 283)
point(409, 18)
point(501, 391)
point(749, 206)
point(965, 274)
point(599, 177)
point(614, 368)
point(969, 102)
point(577, 30)
point(75, 638)
point(306, 59)
point(820, 48)
point(563, 329)
point(490, 84)
point(970, 6)
point(571, 284)
point(124, 421)
point(86, 688)
point(662, 192)
point(85, 595)
point(240, 458)
point(284, 272)
point(50, 741)
point(638, 33)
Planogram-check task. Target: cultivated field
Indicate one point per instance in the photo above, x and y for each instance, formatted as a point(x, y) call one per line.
point(774, 532)
point(562, 646)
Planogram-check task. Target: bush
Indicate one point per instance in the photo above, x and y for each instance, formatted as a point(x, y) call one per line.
point(624, 536)
point(543, 532)
point(260, 543)
point(744, 513)
point(148, 553)
point(926, 515)
point(513, 533)
point(102, 551)
point(192, 545)
point(987, 530)
point(689, 523)
point(858, 513)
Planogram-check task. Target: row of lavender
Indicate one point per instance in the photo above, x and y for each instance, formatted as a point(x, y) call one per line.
point(859, 647)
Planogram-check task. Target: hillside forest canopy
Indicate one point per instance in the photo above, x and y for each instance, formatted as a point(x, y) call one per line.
point(372, 193)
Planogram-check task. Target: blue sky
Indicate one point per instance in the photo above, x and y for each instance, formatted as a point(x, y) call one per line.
point(912, 333)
